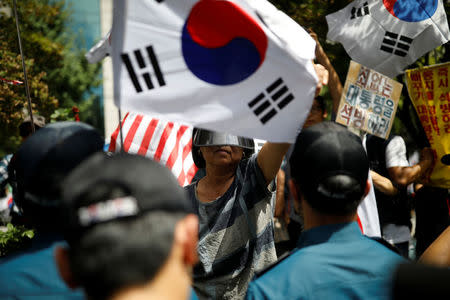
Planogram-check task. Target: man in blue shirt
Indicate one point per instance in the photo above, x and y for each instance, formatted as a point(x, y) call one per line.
point(35, 173)
point(333, 260)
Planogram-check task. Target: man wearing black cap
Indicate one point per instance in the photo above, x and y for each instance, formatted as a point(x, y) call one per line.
point(25, 130)
point(333, 259)
point(36, 172)
point(131, 230)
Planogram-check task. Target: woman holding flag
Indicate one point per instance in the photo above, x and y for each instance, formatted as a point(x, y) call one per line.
point(235, 211)
point(233, 202)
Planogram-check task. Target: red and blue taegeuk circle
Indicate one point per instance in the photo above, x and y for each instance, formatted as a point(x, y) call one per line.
point(411, 10)
point(221, 43)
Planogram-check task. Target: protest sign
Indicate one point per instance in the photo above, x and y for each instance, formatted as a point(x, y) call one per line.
point(389, 35)
point(237, 66)
point(429, 91)
point(369, 101)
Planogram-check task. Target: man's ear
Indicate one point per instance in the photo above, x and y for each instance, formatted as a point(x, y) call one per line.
point(62, 261)
point(187, 235)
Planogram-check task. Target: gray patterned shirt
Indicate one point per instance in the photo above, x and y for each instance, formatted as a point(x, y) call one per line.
point(236, 235)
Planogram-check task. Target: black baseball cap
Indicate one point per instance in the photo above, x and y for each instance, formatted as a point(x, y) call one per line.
point(106, 187)
point(43, 160)
point(330, 166)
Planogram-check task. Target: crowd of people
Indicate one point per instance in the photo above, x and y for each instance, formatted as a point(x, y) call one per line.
point(119, 226)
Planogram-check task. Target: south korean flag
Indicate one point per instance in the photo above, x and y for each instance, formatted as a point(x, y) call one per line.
point(237, 66)
point(389, 35)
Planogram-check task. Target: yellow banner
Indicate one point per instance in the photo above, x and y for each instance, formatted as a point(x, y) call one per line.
point(429, 91)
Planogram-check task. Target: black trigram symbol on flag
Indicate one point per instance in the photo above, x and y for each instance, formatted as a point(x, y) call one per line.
point(267, 104)
point(142, 65)
point(361, 11)
point(392, 43)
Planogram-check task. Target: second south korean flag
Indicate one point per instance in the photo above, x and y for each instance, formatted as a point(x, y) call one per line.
point(241, 67)
point(389, 35)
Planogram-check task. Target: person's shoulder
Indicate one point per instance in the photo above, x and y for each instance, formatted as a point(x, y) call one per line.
point(273, 265)
point(29, 256)
point(382, 248)
point(255, 291)
point(190, 186)
point(286, 264)
point(18, 260)
point(278, 280)
point(190, 192)
point(29, 264)
point(34, 272)
point(250, 169)
point(248, 161)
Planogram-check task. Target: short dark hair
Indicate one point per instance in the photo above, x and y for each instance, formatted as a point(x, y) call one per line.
point(121, 253)
point(330, 166)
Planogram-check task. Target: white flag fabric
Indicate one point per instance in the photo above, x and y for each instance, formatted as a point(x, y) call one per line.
point(100, 50)
point(389, 35)
point(165, 142)
point(367, 212)
point(237, 66)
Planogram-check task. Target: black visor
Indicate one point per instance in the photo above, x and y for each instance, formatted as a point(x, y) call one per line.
point(204, 138)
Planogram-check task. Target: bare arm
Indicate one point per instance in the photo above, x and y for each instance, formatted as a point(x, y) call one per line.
point(270, 157)
point(403, 176)
point(334, 83)
point(279, 204)
point(383, 184)
point(438, 253)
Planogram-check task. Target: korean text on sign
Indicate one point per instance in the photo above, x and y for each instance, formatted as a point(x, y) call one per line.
point(429, 91)
point(369, 101)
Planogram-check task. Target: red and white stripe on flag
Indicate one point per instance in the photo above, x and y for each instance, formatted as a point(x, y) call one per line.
point(166, 142)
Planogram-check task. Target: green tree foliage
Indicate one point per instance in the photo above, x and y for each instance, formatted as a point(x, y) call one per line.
point(311, 14)
point(14, 238)
point(58, 74)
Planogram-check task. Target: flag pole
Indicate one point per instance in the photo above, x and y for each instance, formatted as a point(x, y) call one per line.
point(23, 67)
point(120, 130)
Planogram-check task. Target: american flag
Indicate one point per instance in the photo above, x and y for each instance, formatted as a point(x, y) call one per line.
point(166, 142)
